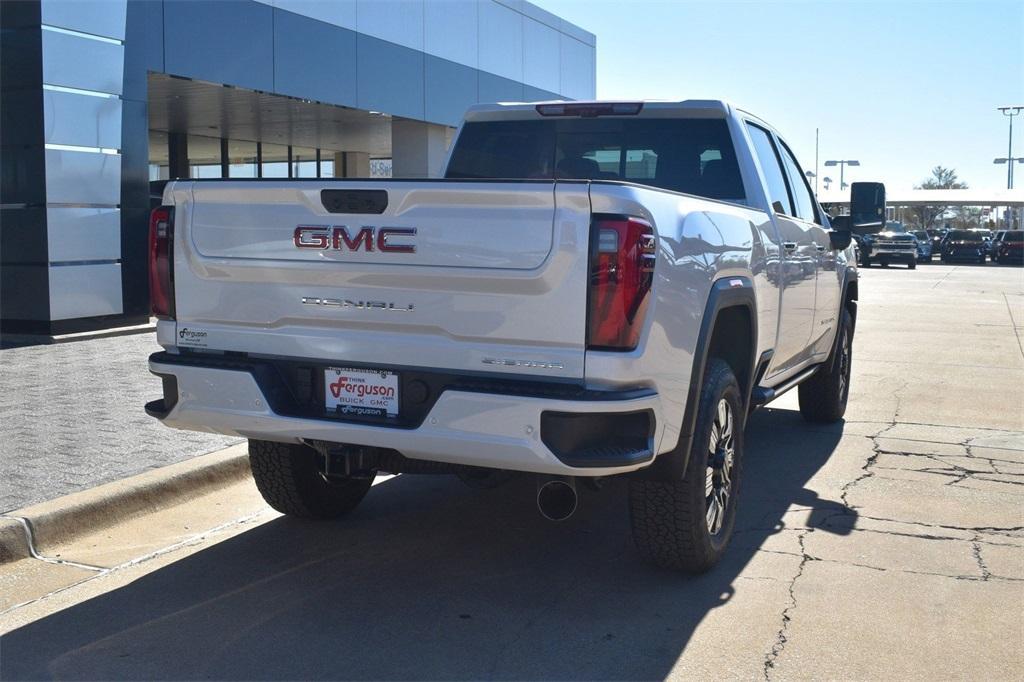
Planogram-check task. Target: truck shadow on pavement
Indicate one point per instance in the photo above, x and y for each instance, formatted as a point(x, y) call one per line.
point(431, 580)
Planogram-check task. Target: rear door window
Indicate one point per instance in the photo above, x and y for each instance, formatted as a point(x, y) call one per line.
point(798, 184)
point(694, 156)
point(771, 166)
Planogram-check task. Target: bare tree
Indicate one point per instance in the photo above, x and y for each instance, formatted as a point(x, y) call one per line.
point(942, 178)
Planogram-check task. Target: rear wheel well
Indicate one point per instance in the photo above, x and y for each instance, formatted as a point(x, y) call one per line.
point(732, 340)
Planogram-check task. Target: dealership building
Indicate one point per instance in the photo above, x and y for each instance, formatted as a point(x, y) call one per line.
point(101, 99)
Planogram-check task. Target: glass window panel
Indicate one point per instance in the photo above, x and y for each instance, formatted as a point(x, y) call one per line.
point(798, 183)
point(241, 159)
point(158, 155)
point(203, 156)
point(303, 162)
point(695, 156)
point(275, 160)
point(771, 167)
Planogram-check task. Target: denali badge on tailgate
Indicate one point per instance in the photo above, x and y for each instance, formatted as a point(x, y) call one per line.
point(338, 238)
point(357, 305)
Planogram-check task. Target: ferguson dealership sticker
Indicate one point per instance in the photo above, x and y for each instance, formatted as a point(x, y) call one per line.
point(192, 337)
point(361, 392)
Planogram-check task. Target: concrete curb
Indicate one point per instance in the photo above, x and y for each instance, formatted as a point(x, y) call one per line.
point(21, 340)
point(13, 541)
point(65, 518)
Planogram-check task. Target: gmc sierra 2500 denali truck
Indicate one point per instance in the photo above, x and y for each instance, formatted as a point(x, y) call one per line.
point(594, 289)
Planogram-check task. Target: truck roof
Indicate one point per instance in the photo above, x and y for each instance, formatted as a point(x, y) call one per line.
point(710, 108)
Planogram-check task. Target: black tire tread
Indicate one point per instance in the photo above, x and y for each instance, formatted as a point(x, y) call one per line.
point(288, 478)
point(667, 517)
point(818, 395)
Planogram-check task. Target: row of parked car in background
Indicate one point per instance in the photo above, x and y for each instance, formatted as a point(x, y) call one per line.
point(896, 244)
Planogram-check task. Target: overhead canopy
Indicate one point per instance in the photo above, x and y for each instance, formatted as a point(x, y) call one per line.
point(936, 197)
point(181, 105)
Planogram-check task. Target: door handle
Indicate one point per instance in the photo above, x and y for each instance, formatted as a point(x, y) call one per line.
point(789, 246)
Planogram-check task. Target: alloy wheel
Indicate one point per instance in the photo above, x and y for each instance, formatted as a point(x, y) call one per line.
point(721, 458)
point(844, 364)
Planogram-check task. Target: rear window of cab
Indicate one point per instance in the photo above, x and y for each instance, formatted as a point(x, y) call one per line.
point(694, 156)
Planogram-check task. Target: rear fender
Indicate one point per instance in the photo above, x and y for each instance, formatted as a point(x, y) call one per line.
point(726, 293)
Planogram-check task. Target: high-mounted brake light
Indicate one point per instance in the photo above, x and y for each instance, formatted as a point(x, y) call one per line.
point(161, 262)
point(586, 110)
point(623, 251)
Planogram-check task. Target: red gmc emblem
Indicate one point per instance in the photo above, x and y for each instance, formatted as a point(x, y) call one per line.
point(338, 238)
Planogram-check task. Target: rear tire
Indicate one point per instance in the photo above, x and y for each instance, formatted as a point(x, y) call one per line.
point(823, 397)
point(289, 478)
point(685, 525)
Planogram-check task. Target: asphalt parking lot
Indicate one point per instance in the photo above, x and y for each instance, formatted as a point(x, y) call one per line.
point(888, 546)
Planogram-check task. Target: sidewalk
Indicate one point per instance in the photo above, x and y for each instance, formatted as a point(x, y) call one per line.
point(71, 418)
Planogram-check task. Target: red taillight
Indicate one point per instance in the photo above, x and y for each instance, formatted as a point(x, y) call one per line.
point(161, 262)
point(622, 255)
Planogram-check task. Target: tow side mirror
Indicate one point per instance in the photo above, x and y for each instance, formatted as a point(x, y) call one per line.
point(841, 235)
point(867, 207)
point(840, 239)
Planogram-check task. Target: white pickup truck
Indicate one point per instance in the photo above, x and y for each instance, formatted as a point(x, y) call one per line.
point(594, 289)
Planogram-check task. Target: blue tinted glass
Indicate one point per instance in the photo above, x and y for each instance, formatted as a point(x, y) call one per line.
point(695, 156)
point(765, 150)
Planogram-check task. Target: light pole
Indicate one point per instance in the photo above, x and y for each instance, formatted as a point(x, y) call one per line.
point(815, 162)
point(1009, 112)
point(1009, 173)
point(842, 163)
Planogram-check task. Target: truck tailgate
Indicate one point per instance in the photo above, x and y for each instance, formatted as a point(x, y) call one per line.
point(477, 276)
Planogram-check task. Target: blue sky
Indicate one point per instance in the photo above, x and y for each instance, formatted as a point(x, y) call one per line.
point(900, 86)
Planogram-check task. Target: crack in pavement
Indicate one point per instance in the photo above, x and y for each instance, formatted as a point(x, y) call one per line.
point(1016, 329)
point(825, 525)
point(943, 279)
point(986, 574)
point(974, 466)
point(992, 530)
point(866, 471)
point(944, 426)
point(957, 472)
point(781, 637)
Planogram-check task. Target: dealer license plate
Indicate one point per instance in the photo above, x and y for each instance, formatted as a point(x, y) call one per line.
point(361, 392)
